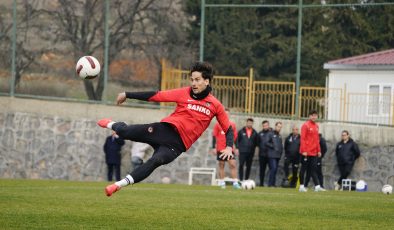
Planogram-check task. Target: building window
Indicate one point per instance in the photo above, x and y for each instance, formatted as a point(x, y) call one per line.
point(379, 99)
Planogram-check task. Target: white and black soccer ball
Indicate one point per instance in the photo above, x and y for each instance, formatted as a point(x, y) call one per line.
point(387, 189)
point(88, 67)
point(248, 184)
point(361, 186)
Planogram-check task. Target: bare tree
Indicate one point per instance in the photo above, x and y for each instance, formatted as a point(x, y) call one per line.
point(81, 22)
point(25, 55)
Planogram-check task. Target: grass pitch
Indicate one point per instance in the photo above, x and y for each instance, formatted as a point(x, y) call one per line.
point(47, 204)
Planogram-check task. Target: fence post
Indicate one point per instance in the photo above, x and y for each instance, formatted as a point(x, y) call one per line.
point(250, 93)
point(202, 30)
point(345, 115)
point(293, 111)
point(298, 110)
point(106, 50)
point(298, 73)
point(163, 75)
point(13, 51)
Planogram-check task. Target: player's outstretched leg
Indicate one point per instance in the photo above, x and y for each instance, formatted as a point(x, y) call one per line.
point(105, 123)
point(162, 155)
point(139, 133)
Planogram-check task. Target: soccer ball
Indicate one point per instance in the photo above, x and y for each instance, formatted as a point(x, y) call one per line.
point(87, 67)
point(165, 180)
point(387, 189)
point(248, 184)
point(361, 186)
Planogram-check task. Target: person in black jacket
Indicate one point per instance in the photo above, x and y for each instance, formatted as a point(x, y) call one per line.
point(275, 150)
point(112, 147)
point(347, 152)
point(246, 144)
point(263, 149)
point(292, 157)
point(319, 171)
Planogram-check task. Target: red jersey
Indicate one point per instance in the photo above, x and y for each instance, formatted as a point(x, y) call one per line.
point(192, 117)
point(310, 141)
point(220, 135)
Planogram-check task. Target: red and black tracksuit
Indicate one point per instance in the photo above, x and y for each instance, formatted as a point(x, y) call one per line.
point(177, 132)
point(310, 144)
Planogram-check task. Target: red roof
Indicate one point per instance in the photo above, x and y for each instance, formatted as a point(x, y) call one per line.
point(385, 57)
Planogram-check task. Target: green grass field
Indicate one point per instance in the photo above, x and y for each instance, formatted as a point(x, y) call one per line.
point(47, 204)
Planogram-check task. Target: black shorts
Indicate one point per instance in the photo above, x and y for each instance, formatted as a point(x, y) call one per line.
point(154, 134)
point(220, 159)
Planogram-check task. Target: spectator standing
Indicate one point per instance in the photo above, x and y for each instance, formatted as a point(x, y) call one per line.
point(347, 152)
point(310, 151)
point(275, 150)
point(263, 137)
point(246, 144)
point(292, 156)
point(113, 145)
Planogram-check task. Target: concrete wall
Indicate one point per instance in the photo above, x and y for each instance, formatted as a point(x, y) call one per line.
point(60, 140)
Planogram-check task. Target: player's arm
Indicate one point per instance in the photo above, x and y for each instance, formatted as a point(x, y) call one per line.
point(235, 133)
point(224, 122)
point(318, 146)
point(230, 137)
point(304, 130)
point(227, 153)
point(214, 134)
point(270, 140)
point(143, 96)
point(156, 96)
point(213, 142)
point(213, 148)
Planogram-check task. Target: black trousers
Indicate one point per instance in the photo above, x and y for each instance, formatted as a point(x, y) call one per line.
point(164, 139)
point(111, 168)
point(311, 164)
point(345, 170)
point(245, 158)
point(294, 163)
point(263, 166)
point(319, 172)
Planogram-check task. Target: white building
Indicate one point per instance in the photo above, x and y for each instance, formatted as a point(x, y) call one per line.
point(360, 88)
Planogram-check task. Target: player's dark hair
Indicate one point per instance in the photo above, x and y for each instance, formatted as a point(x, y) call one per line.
point(277, 123)
point(204, 68)
point(264, 122)
point(250, 119)
point(312, 112)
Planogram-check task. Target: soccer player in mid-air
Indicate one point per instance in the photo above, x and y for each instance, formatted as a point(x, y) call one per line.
point(195, 109)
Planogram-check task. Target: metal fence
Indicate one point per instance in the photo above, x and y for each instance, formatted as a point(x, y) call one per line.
point(277, 99)
point(273, 98)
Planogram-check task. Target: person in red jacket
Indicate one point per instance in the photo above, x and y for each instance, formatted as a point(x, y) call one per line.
point(195, 108)
point(218, 144)
point(310, 151)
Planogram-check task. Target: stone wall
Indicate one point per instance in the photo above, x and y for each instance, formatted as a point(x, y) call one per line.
point(60, 140)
